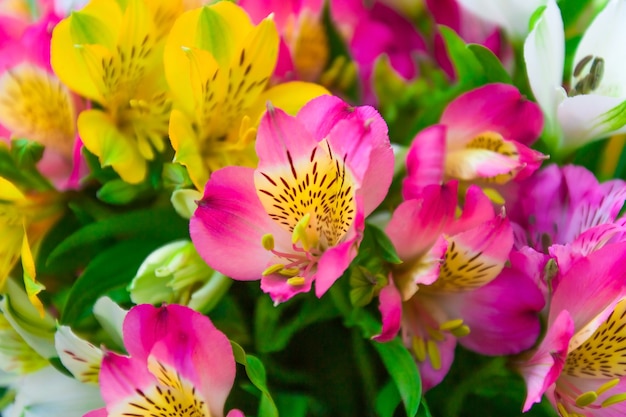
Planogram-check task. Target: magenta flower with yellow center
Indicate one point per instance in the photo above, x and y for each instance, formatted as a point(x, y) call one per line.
point(482, 137)
point(453, 285)
point(580, 365)
point(299, 216)
point(179, 364)
point(218, 65)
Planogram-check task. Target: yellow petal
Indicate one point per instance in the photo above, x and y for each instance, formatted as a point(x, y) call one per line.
point(289, 97)
point(188, 153)
point(32, 286)
point(102, 138)
point(8, 191)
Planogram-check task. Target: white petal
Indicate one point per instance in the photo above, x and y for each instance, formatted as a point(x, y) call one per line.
point(49, 393)
point(583, 118)
point(80, 357)
point(544, 53)
point(111, 317)
point(606, 38)
point(513, 16)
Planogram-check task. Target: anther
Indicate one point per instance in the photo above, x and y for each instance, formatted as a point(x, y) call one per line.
point(419, 348)
point(461, 331)
point(581, 65)
point(614, 399)
point(300, 233)
point(268, 241)
point(587, 398)
point(289, 272)
point(273, 269)
point(450, 324)
point(296, 281)
point(434, 354)
point(607, 386)
point(435, 334)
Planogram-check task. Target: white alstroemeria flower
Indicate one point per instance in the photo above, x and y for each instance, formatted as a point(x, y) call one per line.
point(595, 106)
point(511, 15)
point(49, 393)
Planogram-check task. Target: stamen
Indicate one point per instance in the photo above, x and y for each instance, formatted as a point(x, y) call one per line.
point(435, 334)
point(562, 411)
point(273, 269)
point(581, 65)
point(296, 281)
point(461, 331)
point(586, 398)
point(614, 399)
point(289, 272)
point(607, 386)
point(451, 324)
point(434, 354)
point(419, 348)
point(268, 241)
point(299, 232)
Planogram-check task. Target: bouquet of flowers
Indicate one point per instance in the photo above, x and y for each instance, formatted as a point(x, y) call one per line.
point(312, 208)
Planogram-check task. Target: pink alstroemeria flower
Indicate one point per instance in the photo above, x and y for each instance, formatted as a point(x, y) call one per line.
point(375, 31)
point(557, 204)
point(452, 283)
point(580, 364)
point(299, 216)
point(483, 136)
point(304, 50)
point(177, 361)
point(35, 105)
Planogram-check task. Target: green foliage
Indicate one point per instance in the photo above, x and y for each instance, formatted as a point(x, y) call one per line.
point(257, 375)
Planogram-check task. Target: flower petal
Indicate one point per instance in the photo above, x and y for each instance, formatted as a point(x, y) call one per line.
point(229, 221)
point(492, 108)
point(425, 161)
point(390, 307)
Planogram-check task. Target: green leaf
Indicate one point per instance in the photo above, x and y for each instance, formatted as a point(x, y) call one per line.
point(111, 269)
point(467, 67)
point(275, 325)
point(159, 224)
point(256, 373)
point(492, 67)
point(119, 192)
point(26, 152)
point(403, 370)
point(387, 400)
point(386, 248)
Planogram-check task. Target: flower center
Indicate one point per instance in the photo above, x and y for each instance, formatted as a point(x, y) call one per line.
point(587, 82)
point(603, 355)
point(172, 396)
point(35, 105)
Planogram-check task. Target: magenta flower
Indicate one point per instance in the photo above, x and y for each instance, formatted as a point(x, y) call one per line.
point(452, 283)
point(374, 31)
point(299, 216)
point(178, 364)
point(580, 364)
point(483, 136)
point(557, 204)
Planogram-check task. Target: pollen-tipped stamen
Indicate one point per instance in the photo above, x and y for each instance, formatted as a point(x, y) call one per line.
point(268, 241)
point(434, 354)
point(607, 386)
point(614, 399)
point(419, 348)
point(300, 232)
point(273, 269)
point(587, 398)
point(296, 281)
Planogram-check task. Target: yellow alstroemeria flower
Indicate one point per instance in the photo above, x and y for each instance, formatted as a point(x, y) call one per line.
point(112, 53)
point(24, 221)
point(218, 64)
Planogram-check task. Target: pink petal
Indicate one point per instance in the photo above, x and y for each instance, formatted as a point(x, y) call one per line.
point(390, 307)
point(280, 290)
point(496, 108)
point(493, 240)
point(101, 412)
point(235, 413)
point(599, 277)
point(416, 224)
point(473, 164)
point(282, 139)
point(476, 210)
point(230, 222)
point(544, 367)
point(431, 376)
point(121, 376)
point(503, 316)
point(335, 261)
point(187, 341)
point(425, 161)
